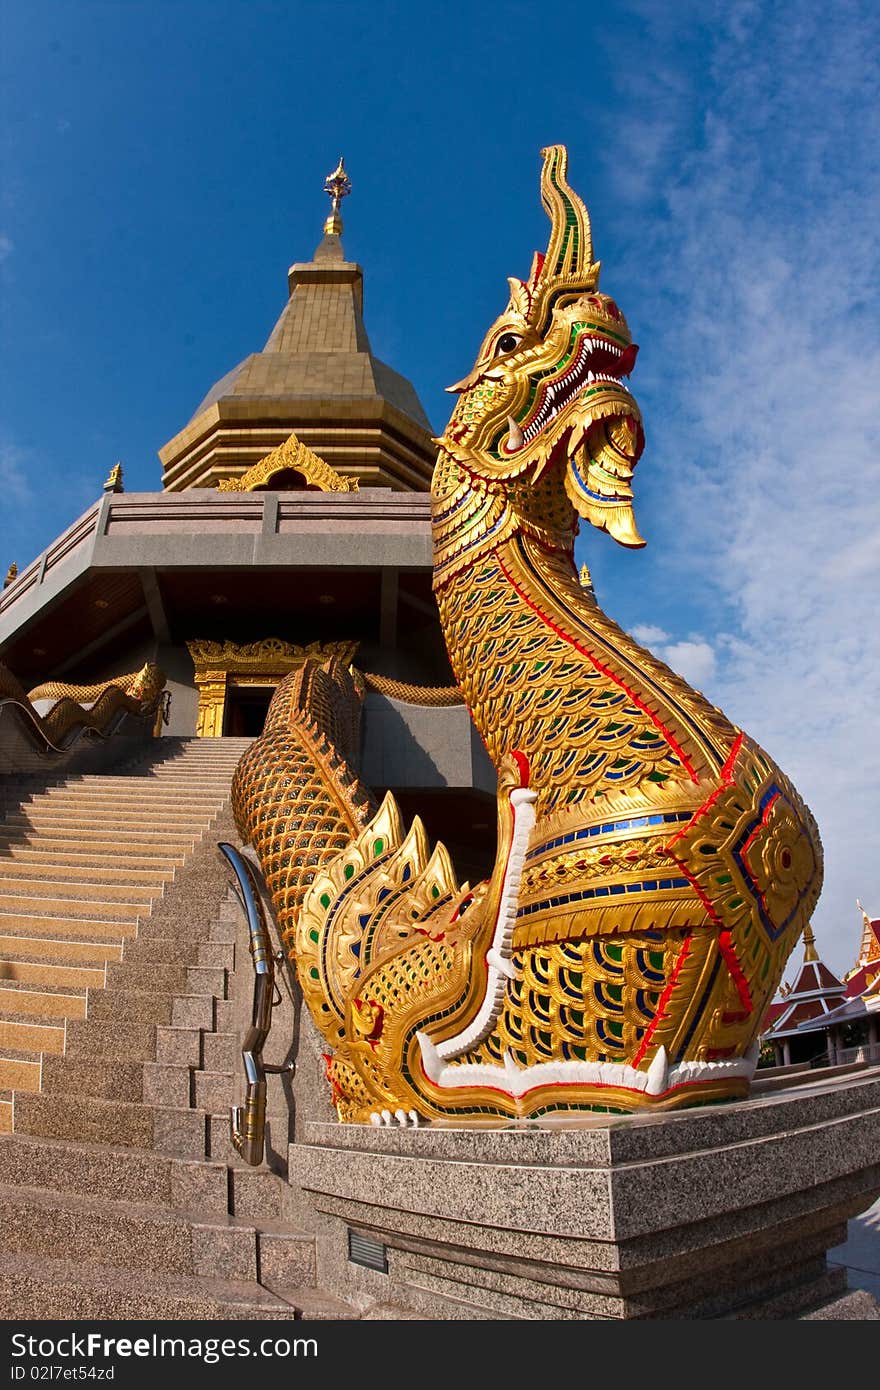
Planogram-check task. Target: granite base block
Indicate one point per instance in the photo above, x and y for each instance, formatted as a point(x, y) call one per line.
point(724, 1213)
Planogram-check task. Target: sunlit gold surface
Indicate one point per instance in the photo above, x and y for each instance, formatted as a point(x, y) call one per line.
point(338, 186)
point(297, 457)
point(624, 954)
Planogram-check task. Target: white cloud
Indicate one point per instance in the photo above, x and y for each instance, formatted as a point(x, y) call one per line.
point(691, 657)
point(7, 246)
point(649, 635)
point(15, 482)
point(755, 283)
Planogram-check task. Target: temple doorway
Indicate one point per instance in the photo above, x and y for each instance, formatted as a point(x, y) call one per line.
point(246, 708)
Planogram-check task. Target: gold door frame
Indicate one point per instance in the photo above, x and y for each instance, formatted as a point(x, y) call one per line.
point(222, 665)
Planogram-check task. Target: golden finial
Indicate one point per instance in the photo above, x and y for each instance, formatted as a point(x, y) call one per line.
point(867, 946)
point(810, 952)
point(338, 185)
point(11, 575)
point(586, 579)
point(114, 479)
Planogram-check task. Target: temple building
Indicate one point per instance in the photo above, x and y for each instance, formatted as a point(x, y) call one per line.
point(824, 1020)
point(294, 518)
point(816, 992)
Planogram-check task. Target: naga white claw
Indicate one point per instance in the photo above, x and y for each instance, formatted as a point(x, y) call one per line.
point(658, 1073)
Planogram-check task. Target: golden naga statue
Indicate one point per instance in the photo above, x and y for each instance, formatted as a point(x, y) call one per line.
point(654, 867)
point(56, 713)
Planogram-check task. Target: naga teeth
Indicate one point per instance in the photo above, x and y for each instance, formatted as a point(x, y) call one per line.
point(515, 438)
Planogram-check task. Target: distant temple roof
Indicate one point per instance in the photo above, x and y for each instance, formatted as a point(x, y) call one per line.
point(317, 376)
point(869, 946)
point(812, 997)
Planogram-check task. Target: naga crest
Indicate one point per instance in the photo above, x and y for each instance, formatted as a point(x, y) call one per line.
point(547, 384)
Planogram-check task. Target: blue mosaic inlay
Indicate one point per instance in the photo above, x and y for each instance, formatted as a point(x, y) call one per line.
point(651, 885)
point(609, 828)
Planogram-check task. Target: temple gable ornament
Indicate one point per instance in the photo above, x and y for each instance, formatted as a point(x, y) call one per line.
point(295, 456)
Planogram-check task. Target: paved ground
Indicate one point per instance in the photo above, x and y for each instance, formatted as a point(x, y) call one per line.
point(861, 1252)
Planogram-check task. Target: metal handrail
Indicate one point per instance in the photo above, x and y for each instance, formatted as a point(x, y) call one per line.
point(247, 1123)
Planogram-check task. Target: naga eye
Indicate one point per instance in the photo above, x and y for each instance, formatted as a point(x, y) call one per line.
point(507, 342)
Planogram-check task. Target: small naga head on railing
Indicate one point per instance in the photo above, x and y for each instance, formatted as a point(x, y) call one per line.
point(548, 387)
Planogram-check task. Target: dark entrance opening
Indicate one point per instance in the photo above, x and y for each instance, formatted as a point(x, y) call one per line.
point(246, 708)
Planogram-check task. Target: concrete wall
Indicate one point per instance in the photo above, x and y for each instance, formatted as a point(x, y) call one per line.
point(416, 746)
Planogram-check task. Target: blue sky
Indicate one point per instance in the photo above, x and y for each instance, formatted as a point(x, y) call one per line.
point(161, 165)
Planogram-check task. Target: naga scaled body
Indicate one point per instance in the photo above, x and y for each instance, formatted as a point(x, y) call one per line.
point(654, 867)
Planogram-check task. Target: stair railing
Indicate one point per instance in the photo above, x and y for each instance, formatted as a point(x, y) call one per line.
point(247, 1123)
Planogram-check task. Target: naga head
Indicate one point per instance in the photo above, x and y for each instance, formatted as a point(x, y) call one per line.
point(547, 387)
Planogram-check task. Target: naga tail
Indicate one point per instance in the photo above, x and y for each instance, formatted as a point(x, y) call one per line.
point(296, 796)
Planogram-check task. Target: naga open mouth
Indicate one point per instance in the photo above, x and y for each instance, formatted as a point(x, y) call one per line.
point(597, 362)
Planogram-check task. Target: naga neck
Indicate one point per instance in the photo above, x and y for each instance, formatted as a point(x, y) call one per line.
point(471, 515)
point(534, 653)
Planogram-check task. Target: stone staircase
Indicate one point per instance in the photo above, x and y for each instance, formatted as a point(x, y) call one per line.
point(81, 862)
point(120, 1193)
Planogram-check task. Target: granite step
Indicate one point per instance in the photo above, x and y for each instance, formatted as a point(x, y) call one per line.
point(161, 977)
point(36, 1037)
point(185, 797)
point(88, 1120)
point(214, 1091)
point(179, 1047)
point(130, 1005)
point(140, 950)
point(86, 838)
point(44, 867)
point(113, 887)
point(37, 1005)
point(164, 1085)
point(123, 1233)
point(172, 978)
point(141, 817)
point(150, 858)
point(221, 1052)
point(19, 1071)
point(56, 905)
point(286, 1256)
point(88, 847)
point(256, 1193)
point(5, 1113)
point(60, 926)
point(100, 1078)
point(175, 1130)
point(44, 947)
point(29, 972)
point(164, 801)
point(158, 779)
point(38, 1288)
point(119, 1174)
point(174, 948)
point(125, 1041)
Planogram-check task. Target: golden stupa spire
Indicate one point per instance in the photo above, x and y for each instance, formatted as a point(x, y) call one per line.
point(810, 952)
point(338, 186)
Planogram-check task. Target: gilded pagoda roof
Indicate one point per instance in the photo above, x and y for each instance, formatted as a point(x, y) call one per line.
point(316, 376)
